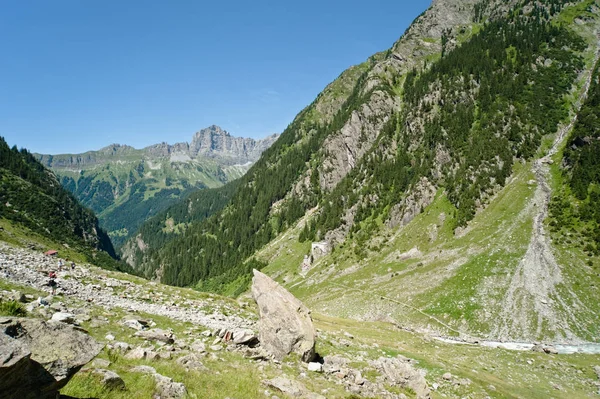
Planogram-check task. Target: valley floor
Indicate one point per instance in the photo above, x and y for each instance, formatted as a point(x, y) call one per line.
point(363, 357)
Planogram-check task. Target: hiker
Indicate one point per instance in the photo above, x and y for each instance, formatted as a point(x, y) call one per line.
point(72, 266)
point(60, 265)
point(52, 282)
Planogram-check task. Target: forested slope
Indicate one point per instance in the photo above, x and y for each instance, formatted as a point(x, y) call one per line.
point(31, 196)
point(470, 88)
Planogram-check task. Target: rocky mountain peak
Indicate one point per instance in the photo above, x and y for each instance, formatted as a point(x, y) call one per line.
point(214, 141)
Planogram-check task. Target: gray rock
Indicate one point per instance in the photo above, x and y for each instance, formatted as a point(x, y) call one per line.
point(537, 348)
point(245, 338)
point(198, 346)
point(399, 371)
point(110, 379)
point(63, 317)
point(291, 387)
point(314, 366)
point(132, 323)
point(38, 358)
point(334, 363)
point(156, 334)
point(121, 346)
point(285, 324)
point(100, 363)
point(143, 369)
point(191, 362)
point(166, 388)
point(136, 354)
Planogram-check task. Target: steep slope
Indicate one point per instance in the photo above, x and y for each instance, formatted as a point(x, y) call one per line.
point(500, 276)
point(442, 123)
point(125, 186)
point(32, 197)
point(169, 224)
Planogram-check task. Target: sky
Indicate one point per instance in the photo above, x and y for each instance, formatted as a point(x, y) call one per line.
point(79, 75)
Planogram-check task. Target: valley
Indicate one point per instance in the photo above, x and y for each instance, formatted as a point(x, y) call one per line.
point(106, 304)
point(125, 186)
point(428, 227)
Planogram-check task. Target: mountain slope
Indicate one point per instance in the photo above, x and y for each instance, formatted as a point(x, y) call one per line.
point(125, 186)
point(32, 197)
point(444, 120)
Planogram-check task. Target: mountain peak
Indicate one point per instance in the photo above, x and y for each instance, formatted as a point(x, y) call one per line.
point(214, 141)
point(214, 129)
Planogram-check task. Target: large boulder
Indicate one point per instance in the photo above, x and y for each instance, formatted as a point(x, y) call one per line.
point(38, 358)
point(285, 324)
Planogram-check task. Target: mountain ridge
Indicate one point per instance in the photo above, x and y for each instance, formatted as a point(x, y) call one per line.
point(213, 142)
point(125, 186)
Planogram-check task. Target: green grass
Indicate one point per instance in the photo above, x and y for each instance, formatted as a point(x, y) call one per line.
point(12, 308)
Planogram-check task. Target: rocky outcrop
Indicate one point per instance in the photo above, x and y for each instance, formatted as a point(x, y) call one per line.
point(285, 325)
point(420, 197)
point(216, 142)
point(400, 372)
point(347, 148)
point(38, 358)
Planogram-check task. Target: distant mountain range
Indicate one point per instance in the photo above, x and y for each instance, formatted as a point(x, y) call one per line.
point(124, 186)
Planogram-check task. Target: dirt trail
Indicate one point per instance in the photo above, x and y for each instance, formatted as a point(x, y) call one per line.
point(533, 302)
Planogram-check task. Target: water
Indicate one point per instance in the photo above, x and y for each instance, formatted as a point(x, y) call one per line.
point(589, 348)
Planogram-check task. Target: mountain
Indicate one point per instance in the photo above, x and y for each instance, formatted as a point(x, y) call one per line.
point(448, 183)
point(124, 186)
point(32, 198)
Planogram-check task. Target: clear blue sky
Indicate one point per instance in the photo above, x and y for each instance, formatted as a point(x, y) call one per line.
point(79, 75)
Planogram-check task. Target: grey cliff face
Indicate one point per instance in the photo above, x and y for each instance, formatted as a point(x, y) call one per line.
point(216, 142)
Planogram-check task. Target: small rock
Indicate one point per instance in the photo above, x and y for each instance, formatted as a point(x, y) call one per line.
point(191, 362)
point(132, 323)
point(597, 371)
point(121, 346)
point(216, 348)
point(537, 348)
point(156, 334)
point(198, 346)
point(244, 338)
point(143, 369)
point(447, 376)
point(136, 354)
point(166, 388)
point(62, 317)
point(100, 363)
point(109, 337)
point(315, 366)
point(110, 379)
